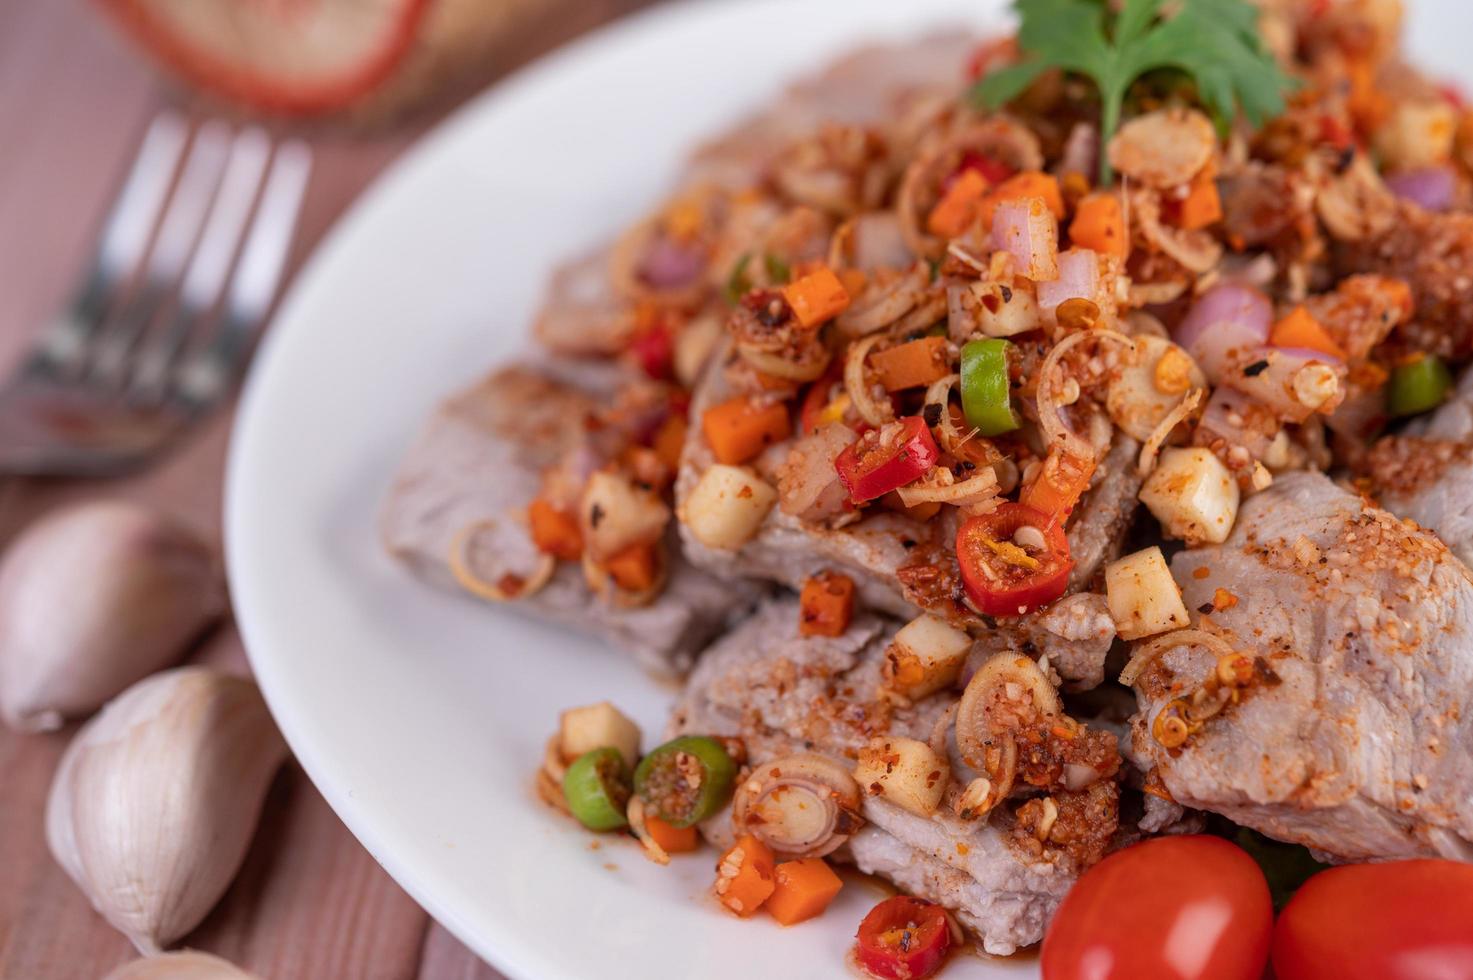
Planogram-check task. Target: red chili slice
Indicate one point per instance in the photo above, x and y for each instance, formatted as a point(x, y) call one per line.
point(1004, 578)
point(903, 938)
point(887, 458)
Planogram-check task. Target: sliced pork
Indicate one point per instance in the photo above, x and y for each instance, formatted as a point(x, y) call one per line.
point(783, 694)
point(1426, 472)
point(479, 462)
point(1327, 699)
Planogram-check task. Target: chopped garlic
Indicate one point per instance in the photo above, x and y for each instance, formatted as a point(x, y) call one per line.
point(727, 506)
point(1193, 495)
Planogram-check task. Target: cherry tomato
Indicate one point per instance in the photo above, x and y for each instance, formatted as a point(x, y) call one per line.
point(1006, 577)
point(886, 458)
point(1405, 920)
point(903, 938)
point(1172, 908)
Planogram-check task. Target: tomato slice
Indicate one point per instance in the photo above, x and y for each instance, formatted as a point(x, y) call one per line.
point(1177, 908)
point(1005, 576)
point(904, 938)
point(886, 458)
point(1395, 921)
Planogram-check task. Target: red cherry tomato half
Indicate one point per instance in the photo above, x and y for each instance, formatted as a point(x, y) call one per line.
point(883, 459)
point(1405, 920)
point(903, 938)
point(1004, 577)
point(1172, 908)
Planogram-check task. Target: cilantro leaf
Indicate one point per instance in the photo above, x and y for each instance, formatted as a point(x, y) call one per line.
point(1214, 42)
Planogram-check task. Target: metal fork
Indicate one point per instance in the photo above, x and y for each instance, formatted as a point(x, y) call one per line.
point(188, 265)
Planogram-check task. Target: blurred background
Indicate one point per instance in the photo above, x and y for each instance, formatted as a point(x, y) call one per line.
point(80, 83)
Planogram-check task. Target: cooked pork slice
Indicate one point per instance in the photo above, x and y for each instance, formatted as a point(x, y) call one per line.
point(582, 315)
point(1329, 699)
point(790, 546)
point(1097, 529)
point(1426, 472)
point(1074, 635)
point(479, 462)
point(784, 694)
point(1432, 253)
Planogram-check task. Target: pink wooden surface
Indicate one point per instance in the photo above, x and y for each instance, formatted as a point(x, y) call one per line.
point(310, 902)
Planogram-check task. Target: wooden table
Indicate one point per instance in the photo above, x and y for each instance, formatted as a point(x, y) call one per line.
point(309, 902)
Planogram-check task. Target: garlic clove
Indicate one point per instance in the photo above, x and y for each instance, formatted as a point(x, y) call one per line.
point(93, 598)
point(156, 799)
point(185, 965)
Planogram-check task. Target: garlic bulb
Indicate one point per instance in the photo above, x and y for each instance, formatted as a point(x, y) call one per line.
point(185, 965)
point(92, 599)
point(157, 798)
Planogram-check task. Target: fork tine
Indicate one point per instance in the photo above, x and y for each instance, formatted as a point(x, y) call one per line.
point(205, 278)
point(257, 275)
point(124, 238)
point(182, 221)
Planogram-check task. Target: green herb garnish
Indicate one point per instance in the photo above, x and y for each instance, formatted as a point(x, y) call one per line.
point(1215, 43)
point(1286, 866)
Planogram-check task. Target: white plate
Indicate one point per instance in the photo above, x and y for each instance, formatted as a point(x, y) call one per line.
point(421, 716)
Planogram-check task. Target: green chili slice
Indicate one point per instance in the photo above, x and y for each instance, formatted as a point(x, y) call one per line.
point(685, 780)
point(596, 787)
point(987, 386)
point(1418, 386)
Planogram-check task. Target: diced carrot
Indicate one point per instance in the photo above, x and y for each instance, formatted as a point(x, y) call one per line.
point(554, 532)
point(1301, 329)
point(634, 569)
point(803, 890)
point(1368, 105)
point(816, 297)
point(826, 605)
point(744, 876)
point(739, 429)
point(957, 209)
point(912, 365)
point(1099, 224)
point(1059, 485)
point(670, 440)
point(675, 840)
point(1202, 206)
point(1030, 183)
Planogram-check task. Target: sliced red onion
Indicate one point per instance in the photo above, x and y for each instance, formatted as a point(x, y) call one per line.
point(1079, 278)
point(879, 242)
point(1081, 151)
point(1293, 382)
point(1227, 319)
point(1431, 187)
point(670, 265)
point(1026, 229)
